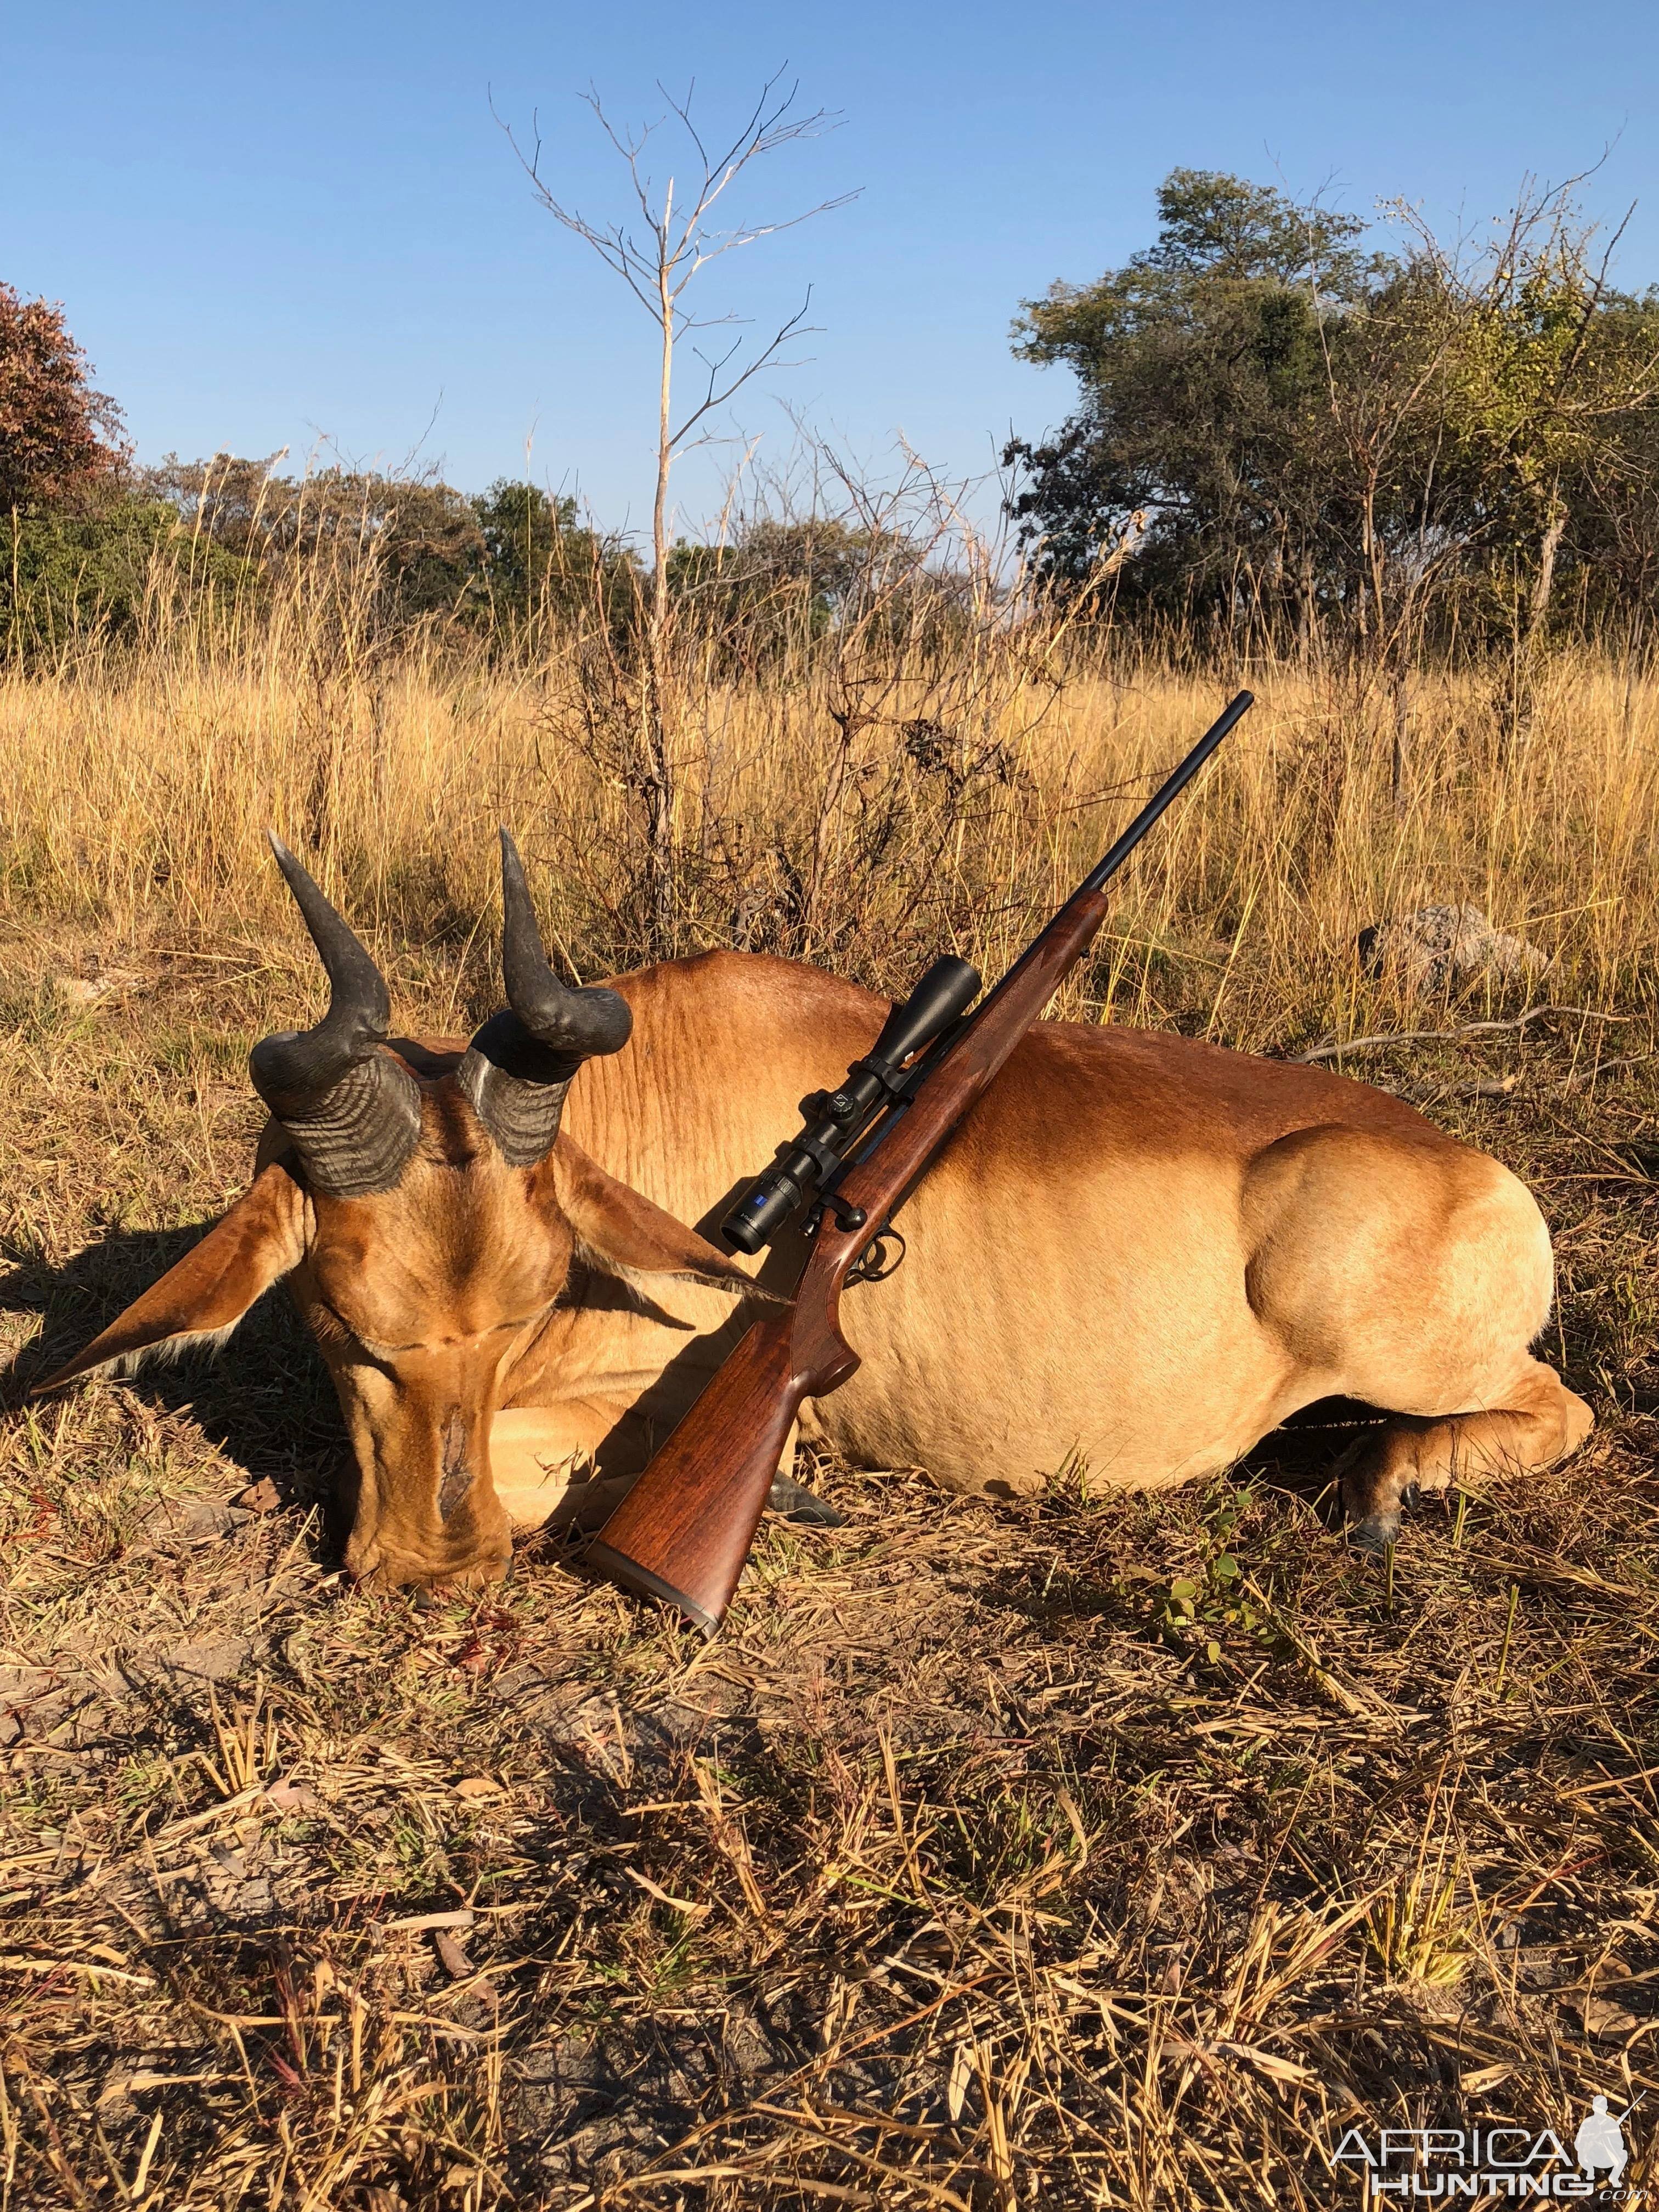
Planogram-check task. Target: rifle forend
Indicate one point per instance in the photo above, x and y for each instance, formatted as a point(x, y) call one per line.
point(683, 1531)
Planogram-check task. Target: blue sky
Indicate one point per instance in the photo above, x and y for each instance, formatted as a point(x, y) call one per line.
point(277, 224)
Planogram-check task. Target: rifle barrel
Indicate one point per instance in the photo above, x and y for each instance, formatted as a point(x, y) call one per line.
point(1170, 790)
point(1078, 919)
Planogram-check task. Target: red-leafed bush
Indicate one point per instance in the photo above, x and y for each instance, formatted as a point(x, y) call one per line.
point(59, 438)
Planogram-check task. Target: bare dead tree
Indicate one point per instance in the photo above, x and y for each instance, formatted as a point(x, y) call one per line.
point(658, 256)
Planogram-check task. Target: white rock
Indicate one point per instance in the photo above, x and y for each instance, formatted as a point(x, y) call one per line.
point(1439, 945)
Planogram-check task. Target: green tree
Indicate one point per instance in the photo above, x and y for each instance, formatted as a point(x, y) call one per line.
point(1203, 430)
point(77, 573)
point(1551, 392)
point(406, 549)
point(1611, 539)
point(542, 564)
point(1275, 428)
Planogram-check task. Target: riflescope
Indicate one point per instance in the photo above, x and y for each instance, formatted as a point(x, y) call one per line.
point(836, 1119)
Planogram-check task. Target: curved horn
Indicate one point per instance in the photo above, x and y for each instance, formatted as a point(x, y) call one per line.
point(353, 1111)
point(519, 1065)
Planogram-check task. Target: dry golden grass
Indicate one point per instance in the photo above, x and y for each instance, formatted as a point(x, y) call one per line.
point(998, 1855)
point(974, 797)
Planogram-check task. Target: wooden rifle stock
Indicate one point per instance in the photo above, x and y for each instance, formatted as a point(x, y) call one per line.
point(685, 1529)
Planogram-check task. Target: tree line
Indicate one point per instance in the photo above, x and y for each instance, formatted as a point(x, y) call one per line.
point(1284, 442)
point(92, 544)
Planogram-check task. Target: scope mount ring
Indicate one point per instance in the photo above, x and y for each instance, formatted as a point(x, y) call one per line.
point(891, 1080)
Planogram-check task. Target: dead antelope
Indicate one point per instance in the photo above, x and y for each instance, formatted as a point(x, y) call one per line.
point(1141, 1253)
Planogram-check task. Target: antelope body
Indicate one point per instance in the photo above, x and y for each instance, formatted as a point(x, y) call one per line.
point(1139, 1254)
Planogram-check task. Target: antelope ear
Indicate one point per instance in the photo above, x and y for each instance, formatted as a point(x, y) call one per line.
point(627, 1234)
point(259, 1241)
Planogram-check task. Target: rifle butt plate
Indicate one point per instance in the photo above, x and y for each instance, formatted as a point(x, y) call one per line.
point(617, 1567)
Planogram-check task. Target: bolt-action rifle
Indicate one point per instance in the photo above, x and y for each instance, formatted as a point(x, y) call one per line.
point(683, 1531)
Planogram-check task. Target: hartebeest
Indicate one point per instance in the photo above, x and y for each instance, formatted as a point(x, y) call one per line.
point(1139, 1253)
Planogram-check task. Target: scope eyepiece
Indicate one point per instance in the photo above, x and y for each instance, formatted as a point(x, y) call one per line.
point(757, 1218)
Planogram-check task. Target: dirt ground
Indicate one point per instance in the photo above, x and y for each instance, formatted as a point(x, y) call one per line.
point(998, 1856)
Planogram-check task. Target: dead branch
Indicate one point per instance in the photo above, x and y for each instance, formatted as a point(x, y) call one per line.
point(1332, 1049)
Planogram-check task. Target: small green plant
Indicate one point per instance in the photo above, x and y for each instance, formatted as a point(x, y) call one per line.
point(145, 1781)
point(1199, 1607)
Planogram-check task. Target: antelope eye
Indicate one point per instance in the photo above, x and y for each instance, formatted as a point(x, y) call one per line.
point(332, 1327)
point(327, 1323)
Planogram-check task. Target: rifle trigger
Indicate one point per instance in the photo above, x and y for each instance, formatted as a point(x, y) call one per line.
point(877, 1264)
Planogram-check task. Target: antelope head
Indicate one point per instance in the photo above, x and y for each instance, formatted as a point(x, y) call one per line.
point(424, 1210)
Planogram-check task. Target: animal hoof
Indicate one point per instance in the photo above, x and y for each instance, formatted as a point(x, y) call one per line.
point(1372, 1535)
point(796, 1502)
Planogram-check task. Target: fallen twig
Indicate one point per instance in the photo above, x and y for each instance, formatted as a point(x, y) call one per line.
point(415, 1923)
point(1586, 1076)
point(1246, 2054)
point(19, 1962)
point(1367, 1708)
point(1332, 1049)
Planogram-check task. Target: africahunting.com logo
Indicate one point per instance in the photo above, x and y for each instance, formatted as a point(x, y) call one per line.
point(1496, 2159)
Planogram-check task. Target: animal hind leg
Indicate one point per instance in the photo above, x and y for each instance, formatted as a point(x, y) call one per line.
point(1537, 1421)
